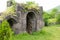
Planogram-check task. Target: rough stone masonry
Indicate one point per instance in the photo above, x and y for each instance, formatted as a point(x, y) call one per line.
point(26, 21)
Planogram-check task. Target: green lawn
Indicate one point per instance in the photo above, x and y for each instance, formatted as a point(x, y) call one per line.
point(47, 33)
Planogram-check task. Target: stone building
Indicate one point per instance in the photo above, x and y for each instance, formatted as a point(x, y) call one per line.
point(25, 21)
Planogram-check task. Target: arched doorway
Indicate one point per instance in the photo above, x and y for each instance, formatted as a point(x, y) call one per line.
point(11, 22)
point(31, 22)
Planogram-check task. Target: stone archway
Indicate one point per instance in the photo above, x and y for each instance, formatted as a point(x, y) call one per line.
point(11, 21)
point(31, 22)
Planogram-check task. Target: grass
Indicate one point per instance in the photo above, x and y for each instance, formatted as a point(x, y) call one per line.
point(47, 33)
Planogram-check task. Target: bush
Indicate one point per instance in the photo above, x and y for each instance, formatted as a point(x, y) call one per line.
point(58, 18)
point(46, 16)
point(5, 31)
point(52, 21)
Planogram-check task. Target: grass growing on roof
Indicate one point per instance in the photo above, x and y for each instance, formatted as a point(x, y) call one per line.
point(9, 11)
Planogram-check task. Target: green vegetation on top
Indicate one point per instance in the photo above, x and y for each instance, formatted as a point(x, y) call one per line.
point(11, 10)
point(30, 5)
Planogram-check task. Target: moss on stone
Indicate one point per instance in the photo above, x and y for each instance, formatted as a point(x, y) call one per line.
point(9, 11)
point(29, 5)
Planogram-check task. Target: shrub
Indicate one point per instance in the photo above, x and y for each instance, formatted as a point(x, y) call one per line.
point(5, 31)
point(52, 21)
point(46, 16)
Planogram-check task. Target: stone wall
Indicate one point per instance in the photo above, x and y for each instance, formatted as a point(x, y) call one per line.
point(21, 21)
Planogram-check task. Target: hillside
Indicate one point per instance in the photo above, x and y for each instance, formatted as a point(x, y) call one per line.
point(57, 7)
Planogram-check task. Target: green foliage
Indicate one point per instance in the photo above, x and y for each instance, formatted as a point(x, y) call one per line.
point(5, 31)
point(30, 5)
point(9, 11)
point(53, 13)
point(46, 16)
point(47, 33)
point(58, 18)
point(52, 17)
point(52, 21)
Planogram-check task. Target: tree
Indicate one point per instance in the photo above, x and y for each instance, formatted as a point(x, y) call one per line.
point(46, 16)
point(58, 18)
point(53, 12)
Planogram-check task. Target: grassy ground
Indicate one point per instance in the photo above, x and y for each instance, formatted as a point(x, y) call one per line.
point(47, 33)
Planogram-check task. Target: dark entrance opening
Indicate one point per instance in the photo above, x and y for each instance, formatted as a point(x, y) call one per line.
point(31, 22)
point(11, 22)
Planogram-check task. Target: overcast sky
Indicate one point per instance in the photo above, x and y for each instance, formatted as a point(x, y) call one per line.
point(47, 4)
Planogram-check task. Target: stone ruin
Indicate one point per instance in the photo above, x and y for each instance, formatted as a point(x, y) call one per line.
point(29, 21)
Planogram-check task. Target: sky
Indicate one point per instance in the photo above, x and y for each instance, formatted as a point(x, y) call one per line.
point(46, 4)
